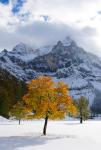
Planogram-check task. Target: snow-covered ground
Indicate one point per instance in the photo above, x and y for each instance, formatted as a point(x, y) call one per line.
point(61, 135)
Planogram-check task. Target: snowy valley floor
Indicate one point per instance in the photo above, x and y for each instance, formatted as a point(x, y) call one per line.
point(61, 135)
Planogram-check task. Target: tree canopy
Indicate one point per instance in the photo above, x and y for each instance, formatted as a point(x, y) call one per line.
point(83, 108)
point(48, 99)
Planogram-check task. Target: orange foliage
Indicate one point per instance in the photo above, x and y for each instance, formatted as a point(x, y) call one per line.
point(47, 98)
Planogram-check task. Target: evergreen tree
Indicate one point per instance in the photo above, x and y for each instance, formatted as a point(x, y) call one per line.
point(4, 102)
point(83, 108)
point(11, 90)
point(49, 100)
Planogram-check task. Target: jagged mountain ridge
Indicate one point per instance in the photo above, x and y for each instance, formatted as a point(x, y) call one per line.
point(65, 60)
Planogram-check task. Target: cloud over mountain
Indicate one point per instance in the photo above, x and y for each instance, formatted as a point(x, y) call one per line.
point(39, 22)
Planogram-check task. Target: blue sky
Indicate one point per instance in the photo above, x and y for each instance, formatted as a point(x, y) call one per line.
point(16, 6)
point(4, 1)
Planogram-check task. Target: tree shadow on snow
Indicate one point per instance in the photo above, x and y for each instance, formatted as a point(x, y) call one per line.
point(13, 142)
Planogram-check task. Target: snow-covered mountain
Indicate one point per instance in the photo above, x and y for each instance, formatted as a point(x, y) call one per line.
point(65, 60)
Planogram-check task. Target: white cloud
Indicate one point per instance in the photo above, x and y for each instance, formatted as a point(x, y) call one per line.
point(78, 18)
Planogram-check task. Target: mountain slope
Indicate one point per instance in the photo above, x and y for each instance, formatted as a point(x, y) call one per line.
point(65, 60)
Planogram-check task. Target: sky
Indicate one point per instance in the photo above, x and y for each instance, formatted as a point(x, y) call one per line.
point(44, 22)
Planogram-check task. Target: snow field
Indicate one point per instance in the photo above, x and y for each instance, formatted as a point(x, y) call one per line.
point(61, 135)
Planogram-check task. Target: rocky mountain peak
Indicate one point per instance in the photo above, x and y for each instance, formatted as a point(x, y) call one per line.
point(66, 46)
point(23, 48)
point(68, 41)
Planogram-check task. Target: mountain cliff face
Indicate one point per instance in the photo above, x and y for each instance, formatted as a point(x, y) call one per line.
point(65, 60)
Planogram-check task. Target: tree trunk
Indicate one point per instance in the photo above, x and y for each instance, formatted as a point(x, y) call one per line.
point(45, 125)
point(19, 121)
point(81, 120)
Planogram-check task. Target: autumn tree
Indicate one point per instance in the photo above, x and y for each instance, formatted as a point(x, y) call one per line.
point(47, 99)
point(18, 111)
point(83, 108)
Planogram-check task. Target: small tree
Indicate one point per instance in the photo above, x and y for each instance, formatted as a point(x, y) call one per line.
point(47, 99)
point(83, 108)
point(18, 111)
